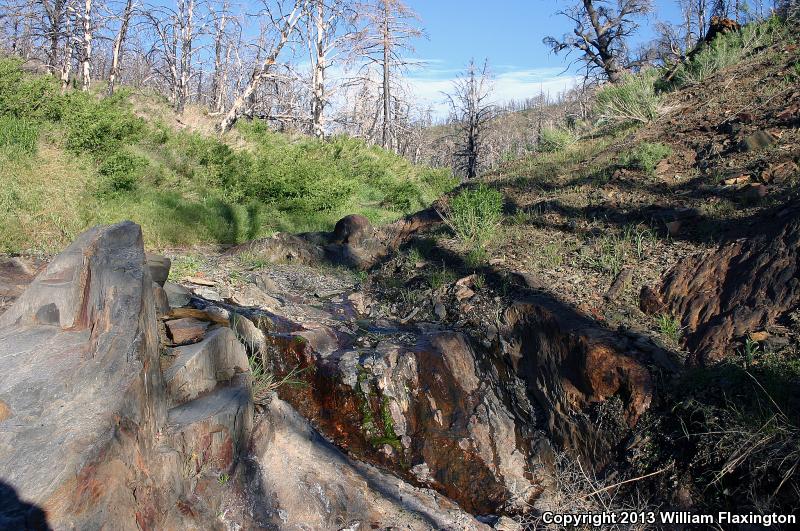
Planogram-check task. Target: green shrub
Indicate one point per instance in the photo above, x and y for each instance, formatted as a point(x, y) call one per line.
point(99, 127)
point(634, 99)
point(403, 196)
point(119, 173)
point(18, 134)
point(645, 157)
point(552, 140)
point(474, 215)
point(29, 97)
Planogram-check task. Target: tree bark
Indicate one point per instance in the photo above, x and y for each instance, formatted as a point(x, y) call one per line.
point(116, 53)
point(87, 46)
point(386, 141)
point(187, 36)
point(66, 67)
point(318, 78)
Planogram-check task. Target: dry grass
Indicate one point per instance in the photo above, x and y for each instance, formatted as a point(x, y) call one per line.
point(577, 490)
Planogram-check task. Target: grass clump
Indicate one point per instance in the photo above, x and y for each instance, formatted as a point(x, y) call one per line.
point(645, 157)
point(18, 135)
point(634, 99)
point(474, 216)
point(669, 326)
point(725, 50)
point(553, 139)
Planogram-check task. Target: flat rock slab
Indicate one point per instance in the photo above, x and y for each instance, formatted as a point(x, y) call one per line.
point(186, 330)
point(177, 295)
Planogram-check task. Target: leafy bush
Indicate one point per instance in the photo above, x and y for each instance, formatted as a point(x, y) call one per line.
point(552, 140)
point(29, 97)
point(634, 99)
point(119, 173)
point(725, 50)
point(403, 196)
point(645, 157)
point(99, 127)
point(18, 134)
point(474, 215)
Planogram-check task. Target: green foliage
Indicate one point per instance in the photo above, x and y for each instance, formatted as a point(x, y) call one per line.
point(553, 140)
point(475, 214)
point(669, 326)
point(645, 157)
point(18, 134)
point(99, 127)
point(725, 50)
point(34, 98)
point(98, 162)
point(634, 99)
point(119, 172)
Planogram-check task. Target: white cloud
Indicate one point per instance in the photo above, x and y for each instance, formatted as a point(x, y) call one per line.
point(511, 83)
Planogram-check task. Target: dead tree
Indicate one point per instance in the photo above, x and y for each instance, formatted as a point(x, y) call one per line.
point(284, 21)
point(66, 66)
point(186, 23)
point(119, 42)
point(223, 47)
point(329, 32)
point(471, 110)
point(600, 34)
point(392, 26)
point(86, 56)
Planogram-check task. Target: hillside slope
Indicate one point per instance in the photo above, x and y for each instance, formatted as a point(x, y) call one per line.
point(692, 218)
point(69, 161)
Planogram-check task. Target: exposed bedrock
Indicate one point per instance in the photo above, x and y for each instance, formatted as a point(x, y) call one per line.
point(93, 436)
point(354, 242)
point(81, 378)
point(572, 368)
point(472, 423)
point(423, 409)
point(741, 287)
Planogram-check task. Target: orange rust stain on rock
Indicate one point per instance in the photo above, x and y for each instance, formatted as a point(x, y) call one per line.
point(5, 411)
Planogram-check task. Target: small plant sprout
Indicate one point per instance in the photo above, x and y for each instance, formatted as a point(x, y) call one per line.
point(749, 351)
point(669, 326)
point(223, 479)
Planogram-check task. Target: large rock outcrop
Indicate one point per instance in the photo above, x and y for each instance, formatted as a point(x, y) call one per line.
point(422, 407)
point(83, 387)
point(744, 286)
point(104, 426)
point(92, 435)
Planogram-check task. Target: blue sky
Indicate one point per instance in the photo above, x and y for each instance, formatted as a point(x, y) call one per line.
point(507, 32)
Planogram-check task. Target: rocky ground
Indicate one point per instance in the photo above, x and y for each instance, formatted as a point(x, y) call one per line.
point(631, 328)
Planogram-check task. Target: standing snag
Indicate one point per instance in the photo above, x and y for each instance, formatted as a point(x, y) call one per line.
point(471, 110)
point(602, 28)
